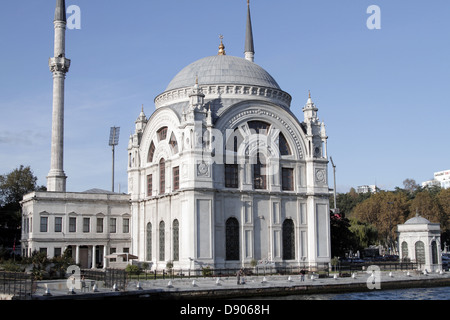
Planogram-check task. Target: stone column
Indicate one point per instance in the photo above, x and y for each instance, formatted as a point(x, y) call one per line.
point(77, 254)
point(93, 257)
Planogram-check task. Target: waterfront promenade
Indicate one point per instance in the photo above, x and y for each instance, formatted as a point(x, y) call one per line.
point(227, 287)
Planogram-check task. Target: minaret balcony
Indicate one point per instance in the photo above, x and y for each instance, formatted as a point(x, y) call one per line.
point(59, 64)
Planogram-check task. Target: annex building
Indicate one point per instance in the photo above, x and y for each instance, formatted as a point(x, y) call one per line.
point(221, 174)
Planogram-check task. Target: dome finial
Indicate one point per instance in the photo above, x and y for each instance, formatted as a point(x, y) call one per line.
point(221, 47)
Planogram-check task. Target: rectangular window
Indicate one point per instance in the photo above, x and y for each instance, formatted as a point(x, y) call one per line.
point(112, 251)
point(231, 176)
point(149, 185)
point(176, 178)
point(287, 178)
point(57, 252)
point(126, 225)
point(112, 225)
point(259, 176)
point(72, 224)
point(44, 224)
point(58, 224)
point(162, 176)
point(99, 225)
point(86, 225)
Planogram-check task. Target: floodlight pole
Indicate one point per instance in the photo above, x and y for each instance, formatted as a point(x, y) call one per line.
point(113, 141)
point(112, 184)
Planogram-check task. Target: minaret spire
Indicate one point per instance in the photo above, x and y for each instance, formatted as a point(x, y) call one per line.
point(249, 47)
point(59, 66)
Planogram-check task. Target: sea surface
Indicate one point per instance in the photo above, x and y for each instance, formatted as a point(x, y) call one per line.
point(437, 293)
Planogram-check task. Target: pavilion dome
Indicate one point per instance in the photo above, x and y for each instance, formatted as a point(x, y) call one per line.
point(417, 220)
point(223, 70)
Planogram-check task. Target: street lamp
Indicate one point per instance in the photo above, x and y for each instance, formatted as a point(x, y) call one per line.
point(113, 141)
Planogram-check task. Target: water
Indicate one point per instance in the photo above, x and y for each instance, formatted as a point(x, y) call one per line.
point(438, 293)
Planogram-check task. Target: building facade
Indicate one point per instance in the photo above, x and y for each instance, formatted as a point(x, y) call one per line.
point(222, 174)
point(420, 241)
point(441, 179)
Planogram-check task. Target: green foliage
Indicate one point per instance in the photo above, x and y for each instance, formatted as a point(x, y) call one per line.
point(373, 217)
point(13, 186)
point(207, 272)
point(133, 269)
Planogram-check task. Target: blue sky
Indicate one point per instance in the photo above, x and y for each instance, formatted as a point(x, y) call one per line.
point(384, 94)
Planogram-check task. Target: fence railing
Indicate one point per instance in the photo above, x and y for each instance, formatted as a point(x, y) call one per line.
point(120, 278)
point(348, 268)
point(18, 284)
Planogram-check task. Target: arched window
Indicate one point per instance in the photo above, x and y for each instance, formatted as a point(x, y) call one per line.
point(162, 241)
point(149, 241)
point(151, 152)
point(176, 240)
point(420, 252)
point(162, 176)
point(288, 240)
point(232, 239)
point(434, 253)
point(283, 146)
point(259, 127)
point(404, 250)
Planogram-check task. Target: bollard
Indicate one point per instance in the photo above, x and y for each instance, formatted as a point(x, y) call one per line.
point(115, 287)
point(138, 286)
point(289, 279)
point(47, 291)
point(264, 280)
point(218, 282)
point(95, 288)
point(193, 283)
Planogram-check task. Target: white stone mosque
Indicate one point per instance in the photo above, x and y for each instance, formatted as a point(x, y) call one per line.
point(222, 174)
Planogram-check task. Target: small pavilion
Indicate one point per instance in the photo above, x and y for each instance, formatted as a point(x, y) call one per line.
point(420, 241)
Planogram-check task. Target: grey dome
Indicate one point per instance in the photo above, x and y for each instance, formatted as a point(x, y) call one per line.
point(223, 69)
point(417, 220)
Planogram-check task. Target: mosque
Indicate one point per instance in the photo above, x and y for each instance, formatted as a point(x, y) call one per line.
point(222, 174)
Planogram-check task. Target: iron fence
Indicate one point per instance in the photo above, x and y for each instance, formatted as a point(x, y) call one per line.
point(18, 284)
point(346, 269)
point(320, 270)
point(109, 277)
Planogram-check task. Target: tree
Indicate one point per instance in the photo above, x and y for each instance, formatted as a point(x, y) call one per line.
point(384, 210)
point(342, 239)
point(443, 199)
point(13, 186)
point(410, 185)
point(427, 206)
point(365, 233)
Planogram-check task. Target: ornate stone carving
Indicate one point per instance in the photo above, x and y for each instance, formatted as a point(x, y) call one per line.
point(320, 176)
point(277, 117)
point(59, 64)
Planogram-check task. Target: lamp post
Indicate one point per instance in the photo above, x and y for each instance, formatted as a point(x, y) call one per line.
point(113, 141)
point(334, 176)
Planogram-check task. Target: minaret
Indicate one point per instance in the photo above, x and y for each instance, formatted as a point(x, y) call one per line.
point(59, 66)
point(249, 47)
